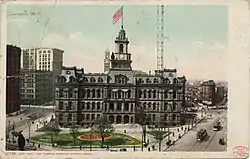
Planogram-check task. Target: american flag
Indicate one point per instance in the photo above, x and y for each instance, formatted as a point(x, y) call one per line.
point(118, 14)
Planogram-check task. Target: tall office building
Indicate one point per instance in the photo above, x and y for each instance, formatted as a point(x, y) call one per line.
point(13, 79)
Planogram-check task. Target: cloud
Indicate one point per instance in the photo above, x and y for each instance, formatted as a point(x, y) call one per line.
point(79, 50)
point(200, 60)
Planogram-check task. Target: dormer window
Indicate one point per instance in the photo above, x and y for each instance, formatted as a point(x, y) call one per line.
point(92, 80)
point(121, 47)
point(100, 80)
point(67, 72)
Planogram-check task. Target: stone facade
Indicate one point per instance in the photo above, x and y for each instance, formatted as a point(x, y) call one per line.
point(82, 98)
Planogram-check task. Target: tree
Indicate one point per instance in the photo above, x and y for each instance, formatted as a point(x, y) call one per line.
point(52, 129)
point(102, 126)
point(74, 132)
point(142, 119)
point(159, 134)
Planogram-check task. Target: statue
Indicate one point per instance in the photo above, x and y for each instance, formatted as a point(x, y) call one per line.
point(21, 141)
point(112, 56)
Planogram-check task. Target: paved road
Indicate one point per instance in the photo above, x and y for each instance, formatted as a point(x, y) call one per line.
point(189, 141)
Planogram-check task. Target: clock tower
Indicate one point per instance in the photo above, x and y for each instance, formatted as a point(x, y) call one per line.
point(121, 58)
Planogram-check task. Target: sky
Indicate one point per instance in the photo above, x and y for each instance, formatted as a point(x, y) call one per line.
point(196, 45)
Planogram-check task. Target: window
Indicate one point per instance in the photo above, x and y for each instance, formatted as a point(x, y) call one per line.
point(119, 106)
point(174, 94)
point(100, 80)
point(129, 93)
point(149, 94)
point(155, 80)
point(88, 105)
point(154, 94)
point(121, 48)
point(93, 105)
point(126, 106)
point(119, 93)
point(92, 80)
point(148, 80)
point(93, 93)
point(166, 94)
point(98, 93)
point(83, 105)
point(154, 106)
point(98, 105)
point(145, 94)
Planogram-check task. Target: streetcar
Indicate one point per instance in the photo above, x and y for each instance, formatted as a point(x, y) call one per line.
point(217, 126)
point(201, 135)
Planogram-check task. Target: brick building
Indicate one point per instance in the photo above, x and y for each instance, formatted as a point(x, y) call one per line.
point(13, 99)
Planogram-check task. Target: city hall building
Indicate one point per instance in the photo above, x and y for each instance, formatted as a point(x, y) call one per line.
point(82, 98)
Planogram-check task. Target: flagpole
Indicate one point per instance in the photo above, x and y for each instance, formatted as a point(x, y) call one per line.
point(122, 17)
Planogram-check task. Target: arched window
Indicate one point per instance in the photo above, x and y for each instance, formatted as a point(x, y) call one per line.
point(165, 94)
point(88, 105)
point(140, 94)
point(144, 94)
point(88, 93)
point(155, 80)
point(175, 81)
point(85, 79)
point(92, 80)
point(62, 79)
point(149, 94)
point(141, 80)
point(148, 80)
point(93, 93)
point(98, 105)
point(121, 47)
point(167, 81)
point(100, 80)
point(71, 79)
point(154, 94)
point(154, 106)
point(149, 105)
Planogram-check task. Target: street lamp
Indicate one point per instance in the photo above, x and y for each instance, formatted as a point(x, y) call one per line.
point(29, 125)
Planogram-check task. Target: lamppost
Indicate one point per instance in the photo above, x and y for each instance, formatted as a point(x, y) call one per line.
point(29, 125)
point(13, 137)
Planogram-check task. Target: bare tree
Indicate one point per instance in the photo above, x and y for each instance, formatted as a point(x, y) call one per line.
point(74, 132)
point(102, 126)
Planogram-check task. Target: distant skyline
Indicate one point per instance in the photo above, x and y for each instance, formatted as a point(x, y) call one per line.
point(196, 47)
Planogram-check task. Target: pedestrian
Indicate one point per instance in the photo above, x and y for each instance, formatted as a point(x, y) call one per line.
point(153, 147)
point(148, 141)
point(39, 146)
point(149, 149)
point(80, 147)
point(134, 147)
point(178, 129)
point(125, 131)
point(173, 133)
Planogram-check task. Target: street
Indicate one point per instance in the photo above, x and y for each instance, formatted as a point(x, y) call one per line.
point(189, 141)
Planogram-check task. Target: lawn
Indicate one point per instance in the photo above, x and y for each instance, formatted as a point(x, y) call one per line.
point(154, 133)
point(67, 140)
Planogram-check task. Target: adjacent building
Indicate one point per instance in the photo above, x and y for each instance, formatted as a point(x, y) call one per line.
point(36, 87)
point(47, 59)
point(208, 95)
point(13, 79)
point(82, 98)
point(43, 59)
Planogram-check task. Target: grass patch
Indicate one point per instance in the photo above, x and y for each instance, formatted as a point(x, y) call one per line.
point(67, 140)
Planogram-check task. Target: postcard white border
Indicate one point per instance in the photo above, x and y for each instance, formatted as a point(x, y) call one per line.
point(238, 82)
